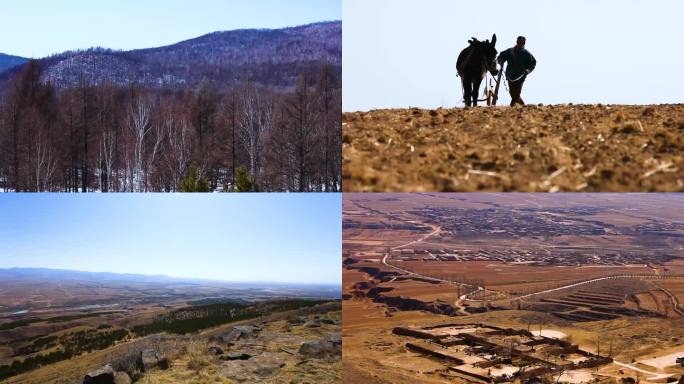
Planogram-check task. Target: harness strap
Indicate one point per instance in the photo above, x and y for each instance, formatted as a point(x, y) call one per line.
point(518, 79)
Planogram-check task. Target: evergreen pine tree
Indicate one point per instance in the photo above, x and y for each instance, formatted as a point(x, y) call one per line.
point(193, 182)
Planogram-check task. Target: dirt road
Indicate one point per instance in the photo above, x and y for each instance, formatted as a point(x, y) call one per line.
point(532, 148)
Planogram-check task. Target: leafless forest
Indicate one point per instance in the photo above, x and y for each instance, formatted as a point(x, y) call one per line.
point(113, 138)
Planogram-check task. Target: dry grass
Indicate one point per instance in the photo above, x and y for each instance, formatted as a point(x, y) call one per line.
point(191, 364)
point(197, 355)
point(177, 376)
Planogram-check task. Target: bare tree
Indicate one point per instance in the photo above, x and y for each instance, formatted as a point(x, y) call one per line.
point(156, 141)
point(256, 120)
point(139, 126)
point(231, 112)
point(107, 160)
point(178, 152)
point(301, 114)
point(110, 138)
point(84, 92)
point(44, 164)
point(330, 125)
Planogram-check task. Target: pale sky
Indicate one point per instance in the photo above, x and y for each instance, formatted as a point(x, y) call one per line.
point(38, 28)
point(269, 237)
point(401, 53)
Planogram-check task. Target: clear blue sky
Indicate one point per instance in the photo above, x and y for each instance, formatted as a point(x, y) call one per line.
point(400, 53)
point(231, 237)
point(38, 28)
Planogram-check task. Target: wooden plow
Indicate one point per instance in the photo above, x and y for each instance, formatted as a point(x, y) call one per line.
point(491, 91)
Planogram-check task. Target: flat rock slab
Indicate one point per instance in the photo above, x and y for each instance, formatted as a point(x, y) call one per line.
point(255, 369)
point(236, 356)
point(104, 375)
point(319, 349)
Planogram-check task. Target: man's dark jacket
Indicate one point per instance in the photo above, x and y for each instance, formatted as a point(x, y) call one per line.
point(519, 60)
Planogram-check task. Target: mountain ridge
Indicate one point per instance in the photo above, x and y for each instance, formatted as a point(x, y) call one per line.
point(31, 272)
point(273, 58)
point(8, 61)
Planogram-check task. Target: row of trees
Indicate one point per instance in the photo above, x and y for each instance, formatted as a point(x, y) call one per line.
point(71, 344)
point(195, 318)
point(110, 138)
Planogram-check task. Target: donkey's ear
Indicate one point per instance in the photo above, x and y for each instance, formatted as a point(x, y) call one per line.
point(494, 39)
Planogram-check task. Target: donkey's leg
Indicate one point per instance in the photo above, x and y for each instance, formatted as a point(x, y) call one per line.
point(476, 89)
point(466, 90)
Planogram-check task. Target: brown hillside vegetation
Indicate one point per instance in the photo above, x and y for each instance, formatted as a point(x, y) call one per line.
point(300, 346)
point(531, 148)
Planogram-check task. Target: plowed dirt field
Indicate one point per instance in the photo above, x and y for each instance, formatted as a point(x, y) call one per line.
point(532, 148)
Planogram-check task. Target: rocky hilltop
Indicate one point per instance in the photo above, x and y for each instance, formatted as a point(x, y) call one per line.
point(300, 346)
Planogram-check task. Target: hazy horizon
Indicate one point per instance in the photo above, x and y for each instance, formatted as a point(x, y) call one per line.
point(56, 27)
point(279, 238)
point(183, 279)
point(401, 53)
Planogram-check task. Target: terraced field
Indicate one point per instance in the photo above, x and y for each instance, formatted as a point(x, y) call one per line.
point(594, 306)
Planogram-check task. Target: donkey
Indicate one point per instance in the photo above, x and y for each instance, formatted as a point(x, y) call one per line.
point(472, 64)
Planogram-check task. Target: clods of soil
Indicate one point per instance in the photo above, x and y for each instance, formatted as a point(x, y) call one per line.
point(591, 148)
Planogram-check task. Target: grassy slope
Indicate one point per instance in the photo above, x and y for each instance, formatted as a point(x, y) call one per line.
point(72, 371)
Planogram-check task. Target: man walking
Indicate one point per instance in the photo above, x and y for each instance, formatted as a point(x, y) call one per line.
point(520, 64)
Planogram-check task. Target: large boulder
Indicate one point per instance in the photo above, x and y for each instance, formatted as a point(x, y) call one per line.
point(320, 348)
point(297, 320)
point(215, 350)
point(315, 323)
point(335, 338)
point(150, 359)
point(239, 332)
point(104, 375)
point(122, 378)
point(266, 368)
point(254, 370)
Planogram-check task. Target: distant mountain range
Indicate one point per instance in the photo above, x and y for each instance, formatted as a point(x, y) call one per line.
point(63, 275)
point(9, 61)
point(271, 57)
